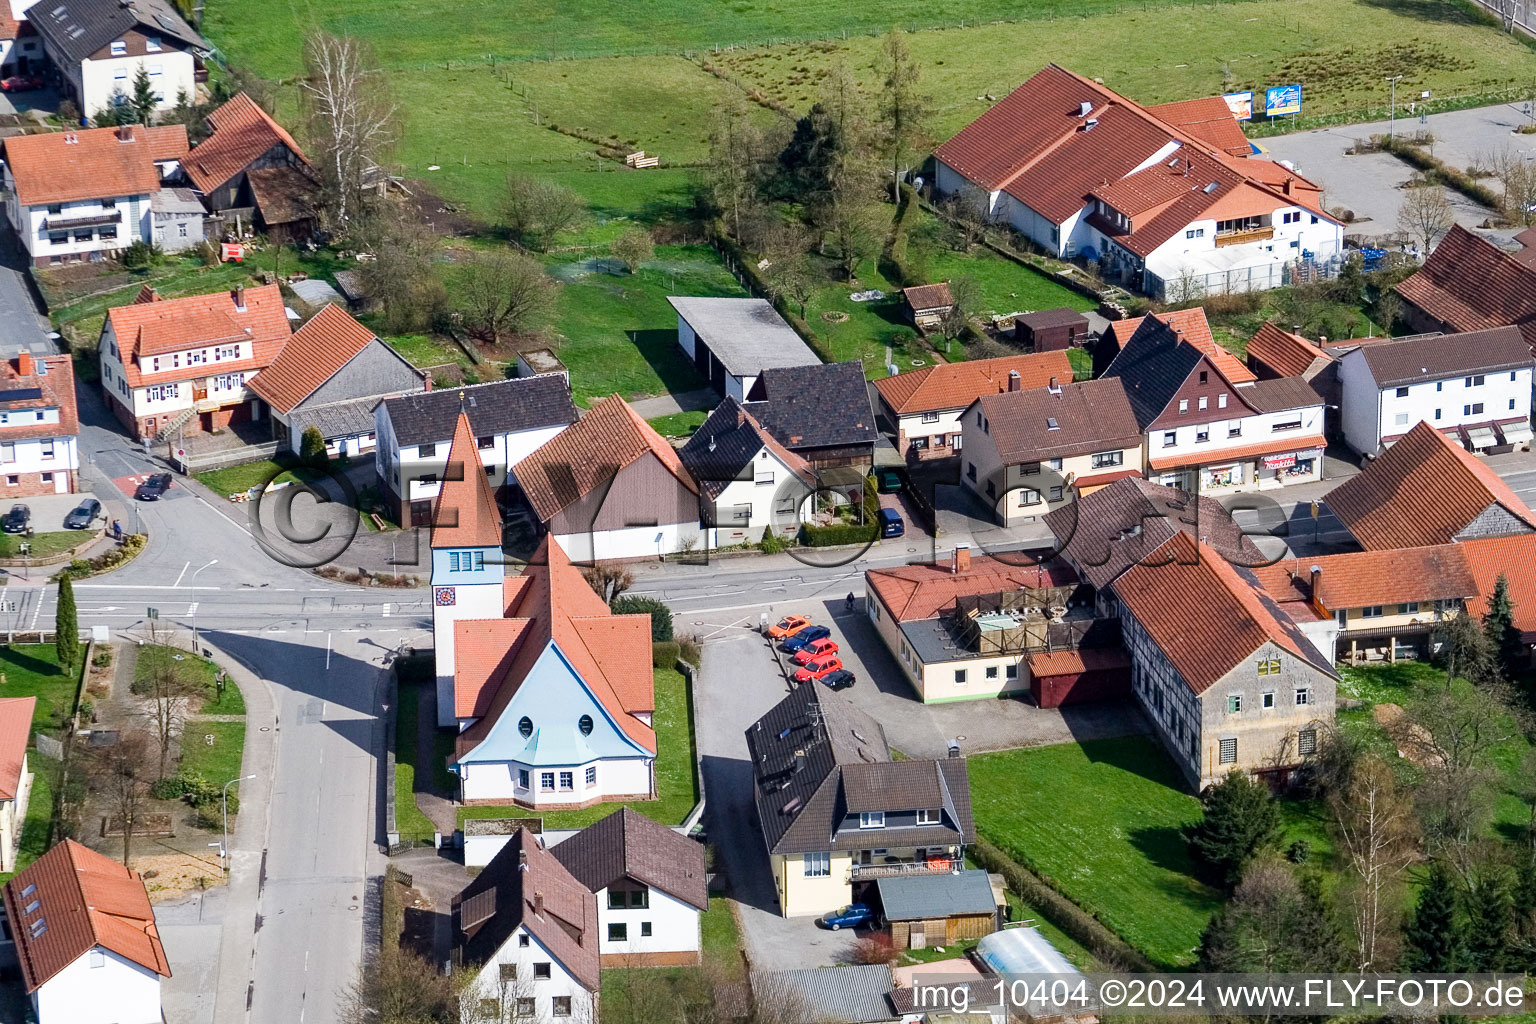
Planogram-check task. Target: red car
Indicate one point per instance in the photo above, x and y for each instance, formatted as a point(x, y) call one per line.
point(818, 667)
point(21, 83)
point(815, 649)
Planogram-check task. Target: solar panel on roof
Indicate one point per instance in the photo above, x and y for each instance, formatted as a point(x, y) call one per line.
point(166, 22)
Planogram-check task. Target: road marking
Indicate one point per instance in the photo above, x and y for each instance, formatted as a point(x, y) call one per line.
point(37, 610)
point(386, 611)
point(182, 573)
point(137, 586)
point(192, 608)
point(327, 654)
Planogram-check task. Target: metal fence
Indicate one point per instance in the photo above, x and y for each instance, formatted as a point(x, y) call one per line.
point(1189, 287)
point(202, 461)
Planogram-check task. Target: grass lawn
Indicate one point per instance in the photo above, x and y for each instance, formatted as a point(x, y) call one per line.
point(679, 424)
point(42, 543)
point(722, 941)
point(1005, 286)
point(219, 761)
point(239, 479)
point(1104, 820)
point(1065, 944)
point(203, 671)
point(427, 350)
point(32, 670)
point(408, 816)
point(676, 787)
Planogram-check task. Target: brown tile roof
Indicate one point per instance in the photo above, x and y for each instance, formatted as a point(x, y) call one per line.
point(1489, 557)
point(1468, 283)
point(1090, 416)
point(466, 514)
point(93, 163)
point(611, 653)
point(923, 590)
point(1280, 394)
point(957, 385)
point(84, 900)
point(312, 356)
point(1208, 119)
point(627, 844)
point(15, 734)
point(525, 886)
point(1204, 615)
point(58, 391)
point(242, 131)
point(1273, 446)
point(1426, 489)
point(1193, 328)
point(1358, 579)
point(1065, 663)
point(145, 329)
point(1434, 356)
point(1285, 353)
point(587, 455)
point(283, 194)
point(929, 296)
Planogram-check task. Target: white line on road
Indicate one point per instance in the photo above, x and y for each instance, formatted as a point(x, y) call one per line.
point(182, 573)
point(386, 611)
point(37, 610)
point(327, 652)
point(137, 586)
point(192, 608)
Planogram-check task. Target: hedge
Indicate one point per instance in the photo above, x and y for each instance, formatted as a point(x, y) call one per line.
point(664, 654)
point(661, 615)
point(838, 533)
point(1436, 169)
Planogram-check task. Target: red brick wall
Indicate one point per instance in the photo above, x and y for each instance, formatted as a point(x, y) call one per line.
point(28, 484)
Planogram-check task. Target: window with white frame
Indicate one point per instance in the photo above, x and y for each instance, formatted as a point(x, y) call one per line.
point(118, 49)
point(1303, 696)
point(930, 417)
point(872, 819)
point(818, 865)
point(928, 817)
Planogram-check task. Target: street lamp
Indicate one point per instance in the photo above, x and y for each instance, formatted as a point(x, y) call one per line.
point(194, 603)
point(224, 796)
point(1392, 108)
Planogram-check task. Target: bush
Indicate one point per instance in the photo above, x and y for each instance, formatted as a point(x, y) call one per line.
point(772, 543)
point(141, 254)
point(661, 615)
point(312, 447)
point(80, 568)
point(102, 658)
point(689, 650)
point(1299, 852)
point(875, 950)
point(167, 789)
point(838, 533)
point(664, 653)
point(1240, 820)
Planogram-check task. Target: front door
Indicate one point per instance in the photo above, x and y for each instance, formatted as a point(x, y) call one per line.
point(919, 937)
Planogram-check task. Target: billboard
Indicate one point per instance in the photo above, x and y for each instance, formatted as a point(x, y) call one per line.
point(1282, 99)
point(1241, 105)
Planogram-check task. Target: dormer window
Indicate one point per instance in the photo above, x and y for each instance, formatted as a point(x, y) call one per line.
point(927, 817)
point(119, 48)
point(872, 819)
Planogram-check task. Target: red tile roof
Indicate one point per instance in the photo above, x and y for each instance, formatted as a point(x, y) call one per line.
point(15, 734)
point(1273, 446)
point(84, 900)
point(466, 514)
point(924, 590)
point(312, 356)
point(1208, 119)
point(483, 652)
point(1202, 614)
point(93, 163)
point(1469, 283)
point(587, 454)
point(957, 385)
point(1511, 556)
point(1285, 353)
point(1193, 328)
point(611, 653)
point(145, 329)
point(1426, 489)
point(58, 391)
point(1358, 579)
point(242, 131)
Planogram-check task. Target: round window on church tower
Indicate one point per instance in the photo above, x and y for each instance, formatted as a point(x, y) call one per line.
point(584, 723)
point(525, 726)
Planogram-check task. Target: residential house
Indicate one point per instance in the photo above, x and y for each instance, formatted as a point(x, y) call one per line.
point(526, 932)
point(39, 426)
point(84, 195)
point(1493, 557)
point(1427, 489)
point(1475, 387)
point(822, 413)
point(1469, 284)
point(1050, 330)
point(85, 935)
point(98, 46)
point(836, 812)
point(1227, 680)
point(1083, 171)
point(921, 410)
point(1190, 324)
point(183, 364)
point(940, 910)
point(177, 216)
point(1373, 605)
point(1028, 452)
point(21, 51)
point(928, 304)
point(651, 886)
point(510, 419)
point(331, 375)
point(550, 690)
point(732, 341)
point(610, 487)
point(250, 169)
point(15, 779)
point(749, 483)
point(964, 629)
point(1207, 432)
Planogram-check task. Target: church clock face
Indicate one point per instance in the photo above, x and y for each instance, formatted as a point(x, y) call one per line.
point(444, 597)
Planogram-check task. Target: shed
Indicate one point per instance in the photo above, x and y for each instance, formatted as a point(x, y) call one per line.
point(941, 909)
point(827, 995)
point(732, 341)
point(1050, 329)
point(1078, 677)
point(536, 362)
point(928, 304)
point(352, 288)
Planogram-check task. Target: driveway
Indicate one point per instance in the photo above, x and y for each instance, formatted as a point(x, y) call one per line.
point(26, 327)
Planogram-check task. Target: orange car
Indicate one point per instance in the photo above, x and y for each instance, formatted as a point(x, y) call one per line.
point(788, 626)
point(815, 649)
point(818, 667)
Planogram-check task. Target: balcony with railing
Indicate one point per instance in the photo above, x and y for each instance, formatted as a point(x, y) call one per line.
point(900, 867)
point(1240, 230)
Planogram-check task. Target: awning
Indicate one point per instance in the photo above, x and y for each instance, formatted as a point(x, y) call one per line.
point(1516, 433)
point(1274, 446)
point(1482, 437)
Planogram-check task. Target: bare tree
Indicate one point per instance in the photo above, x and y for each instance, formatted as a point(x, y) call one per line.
point(1517, 175)
point(904, 108)
point(1463, 724)
point(121, 774)
point(1376, 825)
point(633, 248)
point(504, 291)
point(399, 987)
point(170, 694)
point(403, 279)
point(858, 228)
point(794, 279)
point(352, 118)
point(736, 156)
point(965, 294)
point(537, 210)
point(1425, 213)
point(609, 581)
point(966, 211)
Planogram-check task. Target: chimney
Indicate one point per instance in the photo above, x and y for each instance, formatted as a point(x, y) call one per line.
point(125, 133)
point(962, 558)
point(1317, 585)
point(522, 860)
point(239, 296)
point(24, 365)
point(1015, 382)
point(426, 381)
point(538, 903)
point(1054, 387)
point(1322, 339)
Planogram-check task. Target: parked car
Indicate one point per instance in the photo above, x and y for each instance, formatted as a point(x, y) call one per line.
point(815, 649)
point(839, 680)
point(851, 916)
point(816, 668)
point(788, 626)
point(151, 489)
point(805, 636)
point(21, 83)
point(889, 481)
point(890, 523)
point(16, 519)
point(83, 515)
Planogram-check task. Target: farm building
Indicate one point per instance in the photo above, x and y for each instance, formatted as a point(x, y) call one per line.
point(928, 304)
point(1078, 677)
point(1051, 329)
point(940, 910)
point(732, 341)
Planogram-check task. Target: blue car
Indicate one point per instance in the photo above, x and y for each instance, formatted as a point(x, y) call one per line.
point(805, 636)
point(851, 916)
point(891, 524)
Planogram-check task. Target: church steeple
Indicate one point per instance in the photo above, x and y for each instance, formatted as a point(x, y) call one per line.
point(465, 514)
